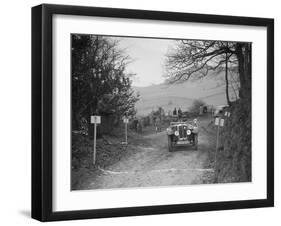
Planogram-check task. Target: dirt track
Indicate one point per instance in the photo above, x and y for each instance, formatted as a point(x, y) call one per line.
point(150, 164)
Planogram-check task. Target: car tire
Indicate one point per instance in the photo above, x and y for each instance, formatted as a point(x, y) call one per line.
point(170, 144)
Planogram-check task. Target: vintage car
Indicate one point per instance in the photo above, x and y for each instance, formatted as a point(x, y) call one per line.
point(182, 134)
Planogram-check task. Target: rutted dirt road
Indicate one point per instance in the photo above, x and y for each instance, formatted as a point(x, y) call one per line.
point(150, 164)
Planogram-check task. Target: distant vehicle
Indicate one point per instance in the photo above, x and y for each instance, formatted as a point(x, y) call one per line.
point(219, 110)
point(182, 134)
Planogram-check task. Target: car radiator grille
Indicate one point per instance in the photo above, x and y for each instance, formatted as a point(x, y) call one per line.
point(182, 132)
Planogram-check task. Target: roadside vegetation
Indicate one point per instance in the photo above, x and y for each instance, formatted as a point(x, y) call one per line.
point(100, 86)
point(100, 83)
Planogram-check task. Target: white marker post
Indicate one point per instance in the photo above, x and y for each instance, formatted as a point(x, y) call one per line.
point(227, 114)
point(219, 122)
point(126, 121)
point(95, 120)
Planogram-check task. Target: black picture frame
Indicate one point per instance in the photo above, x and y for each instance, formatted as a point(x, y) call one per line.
point(42, 107)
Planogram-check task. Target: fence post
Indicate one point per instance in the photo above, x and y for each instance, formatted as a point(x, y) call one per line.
point(95, 143)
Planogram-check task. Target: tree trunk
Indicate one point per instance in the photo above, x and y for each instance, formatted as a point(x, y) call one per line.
point(245, 69)
point(226, 80)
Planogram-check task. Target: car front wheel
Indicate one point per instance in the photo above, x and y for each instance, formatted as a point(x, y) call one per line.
point(170, 144)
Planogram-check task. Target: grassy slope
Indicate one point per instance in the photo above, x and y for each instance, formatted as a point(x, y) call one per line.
point(211, 90)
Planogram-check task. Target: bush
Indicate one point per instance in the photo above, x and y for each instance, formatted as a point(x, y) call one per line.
point(81, 151)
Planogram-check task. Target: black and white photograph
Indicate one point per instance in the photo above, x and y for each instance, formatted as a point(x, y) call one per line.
point(152, 112)
point(144, 112)
point(136, 113)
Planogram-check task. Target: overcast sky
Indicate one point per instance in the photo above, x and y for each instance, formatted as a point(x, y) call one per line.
point(148, 59)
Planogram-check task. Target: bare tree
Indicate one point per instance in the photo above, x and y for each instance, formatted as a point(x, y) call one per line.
point(196, 58)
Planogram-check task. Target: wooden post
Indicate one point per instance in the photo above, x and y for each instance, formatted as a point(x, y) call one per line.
point(95, 119)
point(95, 143)
point(217, 144)
point(126, 121)
point(219, 122)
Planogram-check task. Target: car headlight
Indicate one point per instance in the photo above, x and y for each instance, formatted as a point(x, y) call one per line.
point(190, 127)
point(188, 132)
point(177, 133)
